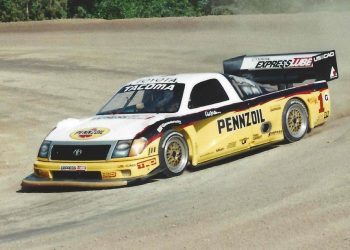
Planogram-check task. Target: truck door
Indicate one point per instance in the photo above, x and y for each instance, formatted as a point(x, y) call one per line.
point(220, 133)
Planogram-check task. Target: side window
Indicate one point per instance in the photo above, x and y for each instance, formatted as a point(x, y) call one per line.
point(245, 87)
point(207, 93)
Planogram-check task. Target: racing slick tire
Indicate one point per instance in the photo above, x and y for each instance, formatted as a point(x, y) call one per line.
point(295, 120)
point(173, 153)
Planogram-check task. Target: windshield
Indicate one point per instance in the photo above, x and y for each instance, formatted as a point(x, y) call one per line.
point(145, 98)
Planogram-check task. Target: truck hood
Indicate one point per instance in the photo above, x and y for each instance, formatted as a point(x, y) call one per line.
point(103, 127)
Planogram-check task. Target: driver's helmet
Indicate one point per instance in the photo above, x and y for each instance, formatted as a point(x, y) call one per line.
point(157, 99)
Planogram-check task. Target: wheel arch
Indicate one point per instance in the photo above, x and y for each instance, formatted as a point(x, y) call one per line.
point(169, 134)
point(295, 135)
point(188, 133)
point(309, 115)
point(189, 141)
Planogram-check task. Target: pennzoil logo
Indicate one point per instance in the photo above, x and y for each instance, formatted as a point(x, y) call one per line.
point(89, 133)
point(243, 120)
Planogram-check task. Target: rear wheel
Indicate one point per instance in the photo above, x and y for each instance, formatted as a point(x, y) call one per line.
point(295, 120)
point(173, 153)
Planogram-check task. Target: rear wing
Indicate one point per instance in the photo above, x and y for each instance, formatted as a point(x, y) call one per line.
point(285, 68)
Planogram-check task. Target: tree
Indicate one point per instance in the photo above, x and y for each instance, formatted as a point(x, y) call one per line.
point(12, 10)
point(203, 7)
point(110, 9)
point(55, 8)
point(85, 5)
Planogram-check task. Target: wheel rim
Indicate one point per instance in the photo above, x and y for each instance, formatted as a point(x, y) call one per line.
point(296, 121)
point(175, 154)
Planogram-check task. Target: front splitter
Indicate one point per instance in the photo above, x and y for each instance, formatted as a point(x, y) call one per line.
point(33, 181)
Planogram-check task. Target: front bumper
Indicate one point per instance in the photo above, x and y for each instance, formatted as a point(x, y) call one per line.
point(112, 173)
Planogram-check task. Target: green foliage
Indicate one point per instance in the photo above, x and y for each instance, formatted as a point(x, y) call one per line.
point(222, 11)
point(80, 8)
point(36, 10)
point(110, 9)
point(55, 8)
point(12, 10)
point(277, 6)
point(81, 12)
point(20, 10)
point(17, 10)
point(202, 7)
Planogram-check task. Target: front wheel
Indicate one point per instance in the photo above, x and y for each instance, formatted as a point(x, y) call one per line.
point(295, 120)
point(173, 153)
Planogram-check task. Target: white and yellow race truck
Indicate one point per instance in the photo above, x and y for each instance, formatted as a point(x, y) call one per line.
point(166, 123)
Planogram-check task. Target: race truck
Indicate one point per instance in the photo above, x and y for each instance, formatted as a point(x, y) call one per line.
point(163, 124)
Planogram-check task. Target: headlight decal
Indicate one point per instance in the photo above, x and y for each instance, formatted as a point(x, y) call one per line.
point(122, 149)
point(129, 148)
point(138, 146)
point(44, 149)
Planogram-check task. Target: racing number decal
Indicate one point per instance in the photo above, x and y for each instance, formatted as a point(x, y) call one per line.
point(321, 110)
point(320, 98)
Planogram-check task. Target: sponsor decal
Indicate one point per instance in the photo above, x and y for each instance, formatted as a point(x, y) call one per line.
point(106, 175)
point(303, 62)
point(89, 133)
point(257, 136)
point(260, 58)
point(276, 107)
point(273, 64)
point(326, 115)
point(312, 100)
point(277, 132)
point(211, 113)
point(333, 74)
point(236, 122)
point(244, 140)
point(281, 61)
point(298, 62)
point(324, 56)
point(219, 150)
point(73, 168)
point(133, 165)
point(207, 154)
point(161, 127)
point(231, 145)
point(152, 80)
point(152, 150)
point(114, 117)
point(158, 86)
point(326, 97)
point(147, 163)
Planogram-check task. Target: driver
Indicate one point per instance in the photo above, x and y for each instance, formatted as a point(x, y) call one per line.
point(155, 101)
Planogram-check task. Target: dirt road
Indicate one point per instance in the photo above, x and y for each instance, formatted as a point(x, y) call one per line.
point(294, 196)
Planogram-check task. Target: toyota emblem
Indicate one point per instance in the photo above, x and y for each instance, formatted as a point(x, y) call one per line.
point(77, 152)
